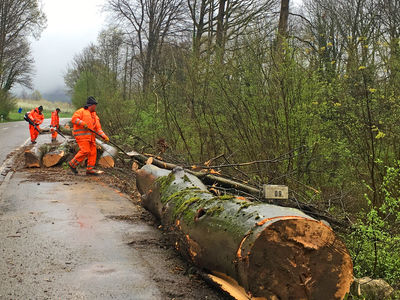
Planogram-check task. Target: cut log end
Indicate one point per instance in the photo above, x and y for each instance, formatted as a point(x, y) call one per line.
point(106, 162)
point(304, 258)
point(31, 160)
point(52, 158)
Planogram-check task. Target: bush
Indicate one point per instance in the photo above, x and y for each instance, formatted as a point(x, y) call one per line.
point(375, 240)
point(7, 104)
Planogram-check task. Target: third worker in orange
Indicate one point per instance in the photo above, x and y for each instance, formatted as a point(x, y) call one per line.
point(86, 124)
point(55, 124)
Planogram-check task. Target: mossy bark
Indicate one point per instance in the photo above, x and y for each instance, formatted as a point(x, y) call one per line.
point(271, 251)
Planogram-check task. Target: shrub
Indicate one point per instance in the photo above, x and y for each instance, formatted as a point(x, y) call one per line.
point(7, 104)
point(375, 241)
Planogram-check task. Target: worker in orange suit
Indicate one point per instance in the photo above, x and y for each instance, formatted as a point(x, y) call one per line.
point(55, 124)
point(37, 118)
point(84, 120)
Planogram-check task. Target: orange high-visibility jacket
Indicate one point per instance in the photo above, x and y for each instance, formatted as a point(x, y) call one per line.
point(81, 117)
point(36, 116)
point(55, 119)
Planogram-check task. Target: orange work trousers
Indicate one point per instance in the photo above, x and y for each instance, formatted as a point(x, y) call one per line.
point(34, 133)
point(53, 133)
point(87, 149)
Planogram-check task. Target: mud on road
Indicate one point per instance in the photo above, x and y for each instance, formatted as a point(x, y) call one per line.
point(122, 254)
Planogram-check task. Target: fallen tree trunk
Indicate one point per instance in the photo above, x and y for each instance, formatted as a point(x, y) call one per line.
point(107, 159)
point(56, 156)
point(33, 156)
point(272, 252)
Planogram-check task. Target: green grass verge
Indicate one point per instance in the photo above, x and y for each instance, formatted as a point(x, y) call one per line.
point(15, 116)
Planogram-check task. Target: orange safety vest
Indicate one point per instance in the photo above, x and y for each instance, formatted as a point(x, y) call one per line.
point(36, 116)
point(55, 119)
point(81, 117)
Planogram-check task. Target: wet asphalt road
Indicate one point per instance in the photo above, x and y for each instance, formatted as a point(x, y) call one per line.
point(12, 135)
point(57, 243)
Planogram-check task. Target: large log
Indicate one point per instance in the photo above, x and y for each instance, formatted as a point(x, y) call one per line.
point(33, 156)
point(56, 154)
point(272, 252)
point(107, 158)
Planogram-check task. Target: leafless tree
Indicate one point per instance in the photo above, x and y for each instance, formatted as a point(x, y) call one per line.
point(148, 23)
point(217, 22)
point(19, 19)
point(390, 19)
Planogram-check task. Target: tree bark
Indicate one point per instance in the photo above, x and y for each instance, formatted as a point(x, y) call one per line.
point(283, 18)
point(33, 156)
point(271, 251)
point(107, 159)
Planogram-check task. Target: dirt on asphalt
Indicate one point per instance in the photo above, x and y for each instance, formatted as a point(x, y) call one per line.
point(183, 280)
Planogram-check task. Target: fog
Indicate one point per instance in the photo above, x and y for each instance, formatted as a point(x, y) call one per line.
point(71, 26)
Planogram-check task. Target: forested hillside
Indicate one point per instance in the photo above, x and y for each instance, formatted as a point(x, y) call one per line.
point(309, 97)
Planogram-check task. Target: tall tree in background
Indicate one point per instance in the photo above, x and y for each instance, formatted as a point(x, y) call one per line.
point(283, 21)
point(19, 19)
point(217, 23)
point(148, 23)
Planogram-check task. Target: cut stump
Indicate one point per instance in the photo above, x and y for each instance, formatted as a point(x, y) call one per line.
point(107, 158)
point(55, 156)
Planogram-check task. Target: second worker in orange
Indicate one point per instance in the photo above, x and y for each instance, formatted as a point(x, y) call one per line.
point(84, 120)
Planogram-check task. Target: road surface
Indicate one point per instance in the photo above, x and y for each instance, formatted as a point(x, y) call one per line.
point(14, 135)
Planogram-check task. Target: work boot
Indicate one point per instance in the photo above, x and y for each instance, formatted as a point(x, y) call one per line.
point(33, 142)
point(92, 172)
point(74, 170)
point(53, 140)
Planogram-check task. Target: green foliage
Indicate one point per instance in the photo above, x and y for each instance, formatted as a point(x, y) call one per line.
point(374, 242)
point(86, 86)
point(7, 104)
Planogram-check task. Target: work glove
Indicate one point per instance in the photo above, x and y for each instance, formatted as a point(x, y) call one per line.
point(85, 126)
point(106, 139)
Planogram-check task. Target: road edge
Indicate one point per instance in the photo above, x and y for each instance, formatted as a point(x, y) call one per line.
point(5, 168)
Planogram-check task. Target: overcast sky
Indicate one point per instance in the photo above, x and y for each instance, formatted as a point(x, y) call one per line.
point(71, 26)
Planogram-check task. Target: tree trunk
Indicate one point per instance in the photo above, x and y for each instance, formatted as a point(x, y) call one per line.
point(107, 159)
point(33, 156)
point(271, 251)
point(283, 18)
point(56, 156)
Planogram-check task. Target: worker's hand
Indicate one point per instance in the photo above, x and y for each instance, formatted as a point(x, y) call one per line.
point(85, 126)
point(106, 139)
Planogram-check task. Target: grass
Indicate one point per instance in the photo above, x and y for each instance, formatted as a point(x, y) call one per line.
point(67, 109)
point(15, 116)
point(27, 105)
